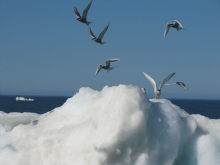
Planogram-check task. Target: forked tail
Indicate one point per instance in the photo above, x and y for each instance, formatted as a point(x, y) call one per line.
point(87, 23)
point(101, 43)
point(110, 69)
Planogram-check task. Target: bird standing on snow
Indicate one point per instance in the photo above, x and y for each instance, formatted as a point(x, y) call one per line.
point(180, 84)
point(99, 39)
point(157, 92)
point(176, 25)
point(107, 66)
point(84, 14)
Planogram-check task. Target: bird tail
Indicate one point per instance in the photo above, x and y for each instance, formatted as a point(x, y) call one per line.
point(180, 29)
point(87, 23)
point(101, 43)
point(110, 69)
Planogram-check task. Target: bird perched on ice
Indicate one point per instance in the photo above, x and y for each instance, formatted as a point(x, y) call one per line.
point(107, 66)
point(84, 14)
point(157, 92)
point(180, 84)
point(176, 25)
point(99, 39)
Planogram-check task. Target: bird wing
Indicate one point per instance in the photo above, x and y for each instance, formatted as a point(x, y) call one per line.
point(103, 32)
point(84, 14)
point(183, 86)
point(110, 60)
point(76, 12)
point(98, 69)
point(180, 84)
point(169, 83)
point(166, 29)
point(165, 80)
point(91, 34)
point(177, 22)
point(151, 81)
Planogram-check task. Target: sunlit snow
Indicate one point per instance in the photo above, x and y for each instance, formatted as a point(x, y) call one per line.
point(116, 126)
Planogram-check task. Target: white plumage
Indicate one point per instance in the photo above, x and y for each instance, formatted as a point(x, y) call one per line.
point(107, 66)
point(157, 92)
point(177, 25)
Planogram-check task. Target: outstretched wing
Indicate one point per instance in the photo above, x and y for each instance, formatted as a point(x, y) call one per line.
point(165, 80)
point(103, 32)
point(84, 14)
point(166, 29)
point(98, 69)
point(183, 85)
point(76, 12)
point(103, 43)
point(151, 81)
point(91, 34)
point(177, 22)
point(110, 60)
point(169, 84)
point(180, 84)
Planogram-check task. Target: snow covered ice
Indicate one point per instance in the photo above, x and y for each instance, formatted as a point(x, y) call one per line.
point(11, 120)
point(116, 126)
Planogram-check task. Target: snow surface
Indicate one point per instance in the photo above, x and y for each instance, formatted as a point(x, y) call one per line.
point(10, 120)
point(116, 126)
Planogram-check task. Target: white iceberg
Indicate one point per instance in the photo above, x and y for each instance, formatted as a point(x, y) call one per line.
point(116, 126)
point(23, 99)
point(20, 99)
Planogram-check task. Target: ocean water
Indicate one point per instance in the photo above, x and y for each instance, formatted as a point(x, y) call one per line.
point(43, 104)
point(40, 105)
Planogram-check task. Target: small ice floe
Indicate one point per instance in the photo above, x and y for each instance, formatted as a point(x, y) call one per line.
point(23, 99)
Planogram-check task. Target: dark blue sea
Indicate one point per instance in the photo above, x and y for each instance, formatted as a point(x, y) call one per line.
point(40, 105)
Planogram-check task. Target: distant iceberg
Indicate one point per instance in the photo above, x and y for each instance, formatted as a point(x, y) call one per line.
point(116, 126)
point(23, 99)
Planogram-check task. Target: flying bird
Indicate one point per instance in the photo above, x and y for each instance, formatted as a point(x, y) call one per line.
point(107, 66)
point(84, 14)
point(157, 92)
point(99, 39)
point(176, 25)
point(180, 84)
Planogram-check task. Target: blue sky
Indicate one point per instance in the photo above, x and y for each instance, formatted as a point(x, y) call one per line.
point(44, 50)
